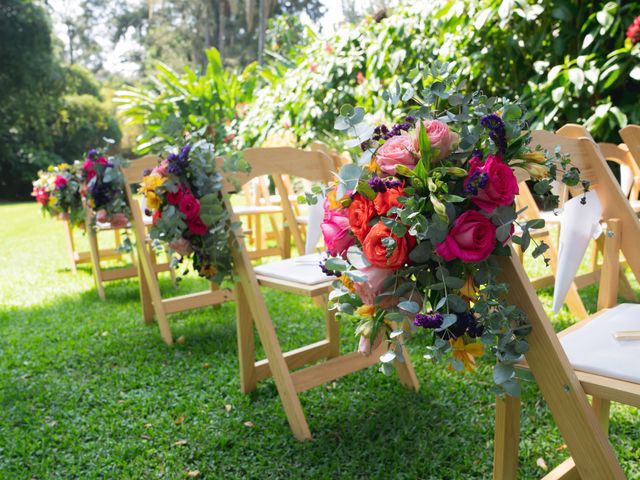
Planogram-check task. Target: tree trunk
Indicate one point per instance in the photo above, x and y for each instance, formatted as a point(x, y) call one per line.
point(222, 12)
point(261, 31)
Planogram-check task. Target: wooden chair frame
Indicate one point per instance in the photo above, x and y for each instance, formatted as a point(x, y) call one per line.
point(251, 309)
point(77, 257)
point(631, 137)
point(150, 295)
point(582, 425)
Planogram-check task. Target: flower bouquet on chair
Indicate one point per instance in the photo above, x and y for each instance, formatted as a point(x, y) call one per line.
point(103, 189)
point(184, 198)
point(412, 230)
point(57, 190)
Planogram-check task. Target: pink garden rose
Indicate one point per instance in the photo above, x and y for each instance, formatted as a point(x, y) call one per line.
point(102, 216)
point(398, 150)
point(496, 183)
point(190, 206)
point(471, 239)
point(182, 246)
point(372, 287)
point(119, 220)
point(335, 231)
point(440, 137)
point(633, 32)
point(60, 181)
point(197, 226)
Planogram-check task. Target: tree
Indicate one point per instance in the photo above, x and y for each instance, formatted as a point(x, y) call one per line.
point(46, 114)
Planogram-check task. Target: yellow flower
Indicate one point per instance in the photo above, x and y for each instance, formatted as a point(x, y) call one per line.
point(153, 201)
point(366, 310)
point(148, 187)
point(208, 270)
point(469, 290)
point(535, 157)
point(52, 201)
point(347, 282)
point(536, 171)
point(466, 353)
point(373, 166)
point(64, 166)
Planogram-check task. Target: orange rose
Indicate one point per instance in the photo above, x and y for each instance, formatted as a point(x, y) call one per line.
point(386, 200)
point(376, 252)
point(361, 211)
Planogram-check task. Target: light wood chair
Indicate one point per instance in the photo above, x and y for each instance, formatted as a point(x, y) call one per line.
point(150, 295)
point(251, 309)
point(77, 257)
point(100, 273)
point(564, 381)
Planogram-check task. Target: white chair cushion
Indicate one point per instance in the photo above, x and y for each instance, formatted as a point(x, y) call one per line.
point(593, 348)
point(305, 270)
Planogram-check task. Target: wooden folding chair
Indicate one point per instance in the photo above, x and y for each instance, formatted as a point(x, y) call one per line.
point(287, 276)
point(150, 295)
point(101, 274)
point(77, 257)
point(565, 380)
point(631, 137)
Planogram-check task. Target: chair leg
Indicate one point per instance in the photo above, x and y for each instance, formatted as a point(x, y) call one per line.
point(333, 330)
point(602, 408)
point(406, 373)
point(286, 241)
point(145, 297)
point(506, 438)
point(246, 347)
point(68, 230)
point(95, 260)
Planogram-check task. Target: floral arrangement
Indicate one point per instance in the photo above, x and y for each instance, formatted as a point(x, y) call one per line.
point(413, 229)
point(184, 197)
point(633, 32)
point(103, 188)
point(57, 190)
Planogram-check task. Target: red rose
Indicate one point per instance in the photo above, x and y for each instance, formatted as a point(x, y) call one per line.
point(88, 168)
point(102, 161)
point(376, 252)
point(386, 200)
point(42, 197)
point(60, 181)
point(633, 32)
point(190, 206)
point(102, 216)
point(197, 226)
point(174, 197)
point(492, 181)
point(157, 215)
point(471, 239)
point(360, 212)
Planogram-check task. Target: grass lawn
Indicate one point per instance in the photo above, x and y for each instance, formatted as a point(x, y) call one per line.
point(87, 390)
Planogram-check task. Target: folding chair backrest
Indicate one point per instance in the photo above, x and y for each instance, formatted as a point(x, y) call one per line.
point(134, 171)
point(314, 166)
point(631, 137)
point(629, 170)
point(586, 156)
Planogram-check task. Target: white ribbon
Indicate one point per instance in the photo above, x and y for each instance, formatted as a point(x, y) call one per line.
point(314, 232)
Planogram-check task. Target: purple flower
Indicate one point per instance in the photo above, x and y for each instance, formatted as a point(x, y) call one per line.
point(497, 131)
point(478, 180)
point(428, 320)
point(377, 184)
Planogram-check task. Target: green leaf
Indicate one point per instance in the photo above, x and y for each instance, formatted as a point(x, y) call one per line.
point(503, 372)
point(409, 306)
point(425, 146)
point(336, 264)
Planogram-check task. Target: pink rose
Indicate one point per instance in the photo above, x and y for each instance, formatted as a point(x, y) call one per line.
point(88, 168)
point(60, 181)
point(182, 246)
point(102, 216)
point(365, 347)
point(335, 231)
point(102, 161)
point(440, 137)
point(119, 220)
point(398, 150)
point(494, 182)
point(190, 206)
point(162, 168)
point(471, 239)
point(372, 287)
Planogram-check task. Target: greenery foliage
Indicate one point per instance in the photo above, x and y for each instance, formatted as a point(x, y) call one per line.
point(567, 59)
point(175, 105)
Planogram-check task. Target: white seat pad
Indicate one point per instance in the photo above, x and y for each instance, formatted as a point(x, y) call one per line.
point(593, 348)
point(305, 270)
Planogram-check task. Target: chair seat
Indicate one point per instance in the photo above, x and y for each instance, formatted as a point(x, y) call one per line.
point(304, 270)
point(635, 204)
point(550, 217)
point(256, 209)
point(592, 348)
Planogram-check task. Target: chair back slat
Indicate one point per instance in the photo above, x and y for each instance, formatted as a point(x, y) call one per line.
point(586, 156)
point(134, 171)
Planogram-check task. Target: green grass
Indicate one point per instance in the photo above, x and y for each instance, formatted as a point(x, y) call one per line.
point(88, 391)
